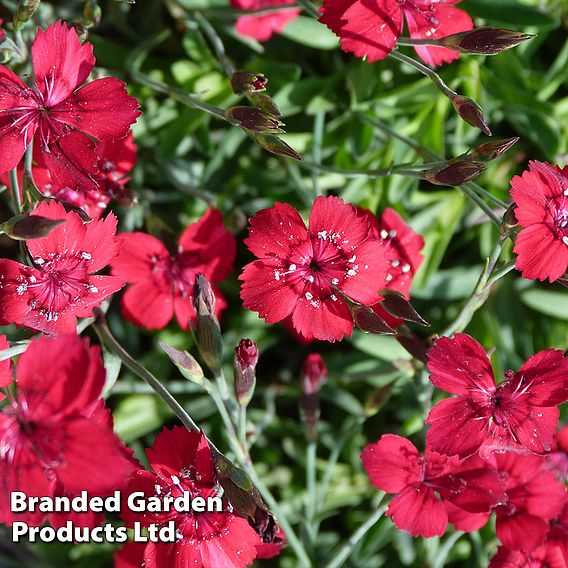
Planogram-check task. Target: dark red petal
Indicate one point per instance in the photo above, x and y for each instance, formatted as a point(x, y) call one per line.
point(532, 426)
point(328, 320)
point(532, 191)
point(60, 62)
point(274, 232)
point(449, 20)
point(392, 463)
point(367, 29)
point(208, 248)
point(464, 521)
point(544, 379)
point(521, 531)
point(540, 254)
point(265, 293)
point(72, 161)
point(460, 365)
point(456, 427)
point(59, 376)
point(136, 251)
point(5, 365)
point(131, 555)
point(102, 108)
point(147, 305)
point(101, 470)
point(419, 511)
point(18, 119)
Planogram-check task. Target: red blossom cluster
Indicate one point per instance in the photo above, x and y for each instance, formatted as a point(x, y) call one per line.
point(486, 452)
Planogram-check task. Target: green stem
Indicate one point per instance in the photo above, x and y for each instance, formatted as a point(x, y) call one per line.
point(346, 550)
point(291, 536)
point(217, 43)
point(481, 291)
point(109, 340)
point(481, 204)
point(15, 190)
point(309, 8)
point(430, 73)
point(410, 41)
point(178, 95)
point(311, 487)
point(446, 549)
point(319, 123)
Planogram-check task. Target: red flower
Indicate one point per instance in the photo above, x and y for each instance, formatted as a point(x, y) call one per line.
point(65, 113)
point(63, 287)
point(5, 366)
point(371, 29)
point(402, 249)
point(299, 270)
point(45, 430)
point(520, 412)
point(131, 555)
point(262, 26)
point(541, 195)
point(162, 284)
point(182, 462)
point(557, 460)
point(533, 498)
point(423, 484)
point(266, 550)
point(542, 557)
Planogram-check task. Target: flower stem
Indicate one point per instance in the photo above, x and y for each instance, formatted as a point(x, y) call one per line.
point(343, 554)
point(430, 73)
point(482, 289)
point(110, 341)
point(309, 8)
point(15, 190)
point(311, 488)
point(217, 44)
point(442, 554)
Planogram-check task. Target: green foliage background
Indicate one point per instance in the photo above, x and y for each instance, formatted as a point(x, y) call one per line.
point(331, 103)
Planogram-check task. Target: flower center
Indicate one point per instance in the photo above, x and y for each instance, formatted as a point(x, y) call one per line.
point(558, 210)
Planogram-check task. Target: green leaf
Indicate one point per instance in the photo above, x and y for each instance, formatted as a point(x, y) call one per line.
point(509, 12)
point(548, 302)
point(310, 32)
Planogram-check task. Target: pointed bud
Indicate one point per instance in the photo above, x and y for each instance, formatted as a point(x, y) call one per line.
point(207, 330)
point(265, 103)
point(254, 119)
point(509, 221)
point(368, 321)
point(275, 145)
point(454, 172)
point(398, 305)
point(27, 227)
point(470, 112)
point(25, 10)
point(248, 82)
point(493, 150)
point(314, 374)
point(484, 40)
point(186, 364)
point(244, 363)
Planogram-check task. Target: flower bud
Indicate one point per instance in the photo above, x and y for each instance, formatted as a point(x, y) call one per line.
point(455, 172)
point(244, 363)
point(248, 82)
point(493, 150)
point(314, 374)
point(207, 330)
point(92, 12)
point(275, 145)
point(254, 119)
point(265, 103)
point(25, 10)
point(27, 227)
point(186, 364)
point(470, 112)
point(509, 221)
point(484, 40)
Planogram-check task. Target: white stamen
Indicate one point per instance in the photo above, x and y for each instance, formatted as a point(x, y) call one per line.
point(395, 263)
point(384, 234)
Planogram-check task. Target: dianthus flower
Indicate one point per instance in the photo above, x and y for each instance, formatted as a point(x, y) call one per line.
point(518, 413)
point(541, 196)
point(557, 459)
point(302, 272)
point(65, 114)
point(58, 412)
point(424, 484)
point(5, 366)
point(182, 462)
point(262, 26)
point(162, 283)
point(534, 497)
point(371, 29)
point(63, 285)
